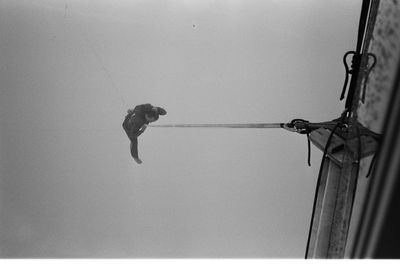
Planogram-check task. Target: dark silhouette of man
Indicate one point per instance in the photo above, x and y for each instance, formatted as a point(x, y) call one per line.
point(136, 122)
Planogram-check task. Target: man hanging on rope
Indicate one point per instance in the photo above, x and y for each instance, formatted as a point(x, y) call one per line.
point(136, 122)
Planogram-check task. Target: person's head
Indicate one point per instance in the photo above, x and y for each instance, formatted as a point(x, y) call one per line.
point(155, 114)
point(151, 117)
point(159, 111)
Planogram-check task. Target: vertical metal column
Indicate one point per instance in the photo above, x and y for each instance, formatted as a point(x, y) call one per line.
point(324, 211)
point(331, 219)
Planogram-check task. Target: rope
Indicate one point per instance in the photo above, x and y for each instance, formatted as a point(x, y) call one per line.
point(308, 150)
point(291, 125)
point(229, 125)
point(348, 72)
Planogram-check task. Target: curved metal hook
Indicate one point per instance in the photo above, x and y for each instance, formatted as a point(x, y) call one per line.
point(346, 67)
point(367, 72)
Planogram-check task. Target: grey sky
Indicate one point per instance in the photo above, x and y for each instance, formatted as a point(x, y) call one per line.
point(69, 187)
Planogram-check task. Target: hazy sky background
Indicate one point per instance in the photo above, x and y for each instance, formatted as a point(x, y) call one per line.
point(69, 187)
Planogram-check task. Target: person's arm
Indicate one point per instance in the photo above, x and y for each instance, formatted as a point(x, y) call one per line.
point(141, 130)
point(125, 124)
point(138, 126)
point(132, 128)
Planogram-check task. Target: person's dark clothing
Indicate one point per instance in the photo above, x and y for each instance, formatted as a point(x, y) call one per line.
point(134, 148)
point(150, 109)
point(134, 122)
point(143, 109)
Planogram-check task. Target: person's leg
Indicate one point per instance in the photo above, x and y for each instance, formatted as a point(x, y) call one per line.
point(126, 124)
point(134, 150)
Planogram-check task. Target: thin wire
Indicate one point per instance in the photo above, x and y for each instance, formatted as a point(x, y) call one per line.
point(104, 68)
point(372, 164)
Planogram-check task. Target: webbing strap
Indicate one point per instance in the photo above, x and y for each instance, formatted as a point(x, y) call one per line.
point(228, 125)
